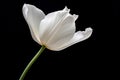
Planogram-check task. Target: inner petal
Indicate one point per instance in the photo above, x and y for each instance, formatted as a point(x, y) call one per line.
point(49, 23)
point(63, 33)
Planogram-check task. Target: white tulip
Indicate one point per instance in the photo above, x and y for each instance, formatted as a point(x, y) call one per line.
point(56, 30)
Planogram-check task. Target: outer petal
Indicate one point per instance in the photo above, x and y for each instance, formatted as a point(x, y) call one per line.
point(78, 37)
point(33, 16)
point(63, 33)
point(50, 23)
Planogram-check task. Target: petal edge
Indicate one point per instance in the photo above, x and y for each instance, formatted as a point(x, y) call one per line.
point(33, 16)
point(78, 37)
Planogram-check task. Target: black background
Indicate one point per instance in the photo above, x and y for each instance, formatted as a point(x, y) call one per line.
point(85, 60)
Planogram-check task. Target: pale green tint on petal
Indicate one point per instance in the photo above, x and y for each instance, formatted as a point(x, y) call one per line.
point(50, 23)
point(78, 37)
point(63, 33)
point(33, 16)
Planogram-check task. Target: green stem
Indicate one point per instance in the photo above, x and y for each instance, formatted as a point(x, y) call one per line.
point(31, 62)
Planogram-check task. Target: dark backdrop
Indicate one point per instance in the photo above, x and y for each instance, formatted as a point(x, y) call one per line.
point(87, 59)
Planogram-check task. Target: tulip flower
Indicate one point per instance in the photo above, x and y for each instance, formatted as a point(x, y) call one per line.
point(55, 31)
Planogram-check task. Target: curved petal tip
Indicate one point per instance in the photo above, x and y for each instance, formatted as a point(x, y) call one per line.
point(75, 16)
point(88, 31)
point(66, 9)
point(25, 9)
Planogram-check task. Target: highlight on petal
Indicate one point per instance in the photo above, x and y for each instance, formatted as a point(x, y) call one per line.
point(33, 16)
point(62, 34)
point(78, 37)
point(50, 23)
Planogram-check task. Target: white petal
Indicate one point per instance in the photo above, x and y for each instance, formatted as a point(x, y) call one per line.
point(33, 16)
point(66, 9)
point(75, 16)
point(78, 37)
point(62, 34)
point(50, 23)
